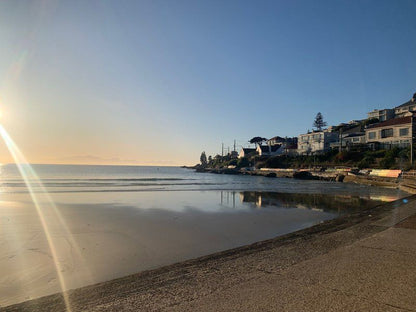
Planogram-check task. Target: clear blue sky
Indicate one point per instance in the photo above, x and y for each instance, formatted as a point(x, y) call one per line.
point(146, 82)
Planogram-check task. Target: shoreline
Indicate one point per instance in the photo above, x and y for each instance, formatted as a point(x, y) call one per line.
point(405, 184)
point(188, 280)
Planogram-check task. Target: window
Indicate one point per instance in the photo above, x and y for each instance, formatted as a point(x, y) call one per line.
point(355, 139)
point(371, 135)
point(404, 131)
point(386, 133)
point(316, 137)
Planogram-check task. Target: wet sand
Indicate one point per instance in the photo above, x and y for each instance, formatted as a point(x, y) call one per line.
point(286, 273)
point(104, 241)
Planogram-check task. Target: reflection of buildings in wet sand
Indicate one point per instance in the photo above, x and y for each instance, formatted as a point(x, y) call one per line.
point(228, 198)
point(250, 197)
point(260, 199)
point(317, 202)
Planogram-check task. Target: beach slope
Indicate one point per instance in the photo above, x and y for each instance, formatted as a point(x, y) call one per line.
point(359, 262)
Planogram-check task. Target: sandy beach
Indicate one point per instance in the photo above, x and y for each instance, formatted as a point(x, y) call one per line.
point(101, 241)
point(361, 261)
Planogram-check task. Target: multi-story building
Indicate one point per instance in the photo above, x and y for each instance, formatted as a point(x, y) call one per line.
point(316, 142)
point(350, 136)
point(381, 114)
point(406, 109)
point(277, 140)
point(395, 132)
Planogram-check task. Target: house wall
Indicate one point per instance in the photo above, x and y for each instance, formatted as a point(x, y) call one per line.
point(355, 140)
point(394, 135)
point(316, 141)
point(411, 107)
point(279, 151)
point(259, 150)
point(381, 114)
point(242, 154)
point(274, 142)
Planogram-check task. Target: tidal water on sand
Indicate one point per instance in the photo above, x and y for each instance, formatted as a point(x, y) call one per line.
point(118, 220)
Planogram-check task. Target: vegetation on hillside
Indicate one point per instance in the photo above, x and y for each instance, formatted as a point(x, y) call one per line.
point(395, 158)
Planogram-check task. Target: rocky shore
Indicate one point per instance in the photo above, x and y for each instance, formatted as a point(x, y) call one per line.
point(408, 185)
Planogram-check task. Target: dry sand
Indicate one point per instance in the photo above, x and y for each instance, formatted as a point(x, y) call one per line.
point(359, 262)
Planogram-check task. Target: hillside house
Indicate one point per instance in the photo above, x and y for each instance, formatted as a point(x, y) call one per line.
point(316, 142)
point(406, 109)
point(381, 114)
point(245, 152)
point(350, 136)
point(270, 150)
point(275, 140)
point(391, 133)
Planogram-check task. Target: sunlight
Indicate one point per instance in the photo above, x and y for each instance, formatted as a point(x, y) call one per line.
point(29, 176)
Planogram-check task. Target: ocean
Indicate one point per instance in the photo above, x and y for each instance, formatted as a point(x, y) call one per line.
point(96, 223)
point(87, 178)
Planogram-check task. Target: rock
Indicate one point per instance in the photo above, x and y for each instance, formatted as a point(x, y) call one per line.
point(340, 178)
point(303, 175)
point(271, 175)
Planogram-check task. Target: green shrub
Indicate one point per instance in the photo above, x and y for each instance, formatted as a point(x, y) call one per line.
point(366, 162)
point(243, 162)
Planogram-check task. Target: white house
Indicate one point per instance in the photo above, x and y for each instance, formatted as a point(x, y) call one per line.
point(244, 152)
point(316, 141)
point(270, 150)
point(276, 140)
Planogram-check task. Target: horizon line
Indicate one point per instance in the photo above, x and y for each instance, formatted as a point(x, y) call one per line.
point(121, 165)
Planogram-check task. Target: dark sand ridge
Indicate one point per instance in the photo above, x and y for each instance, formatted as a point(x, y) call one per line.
point(361, 261)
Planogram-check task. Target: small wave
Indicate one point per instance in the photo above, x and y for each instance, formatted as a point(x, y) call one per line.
point(96, 179)
point(81, 185)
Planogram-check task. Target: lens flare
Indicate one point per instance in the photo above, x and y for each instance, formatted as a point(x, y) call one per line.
point(31, 179)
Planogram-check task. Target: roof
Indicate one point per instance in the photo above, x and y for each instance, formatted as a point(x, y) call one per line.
point(412, 101)
point(392, 122)
point(280, 139)
point(248, 150)
point(380, 110)
point(273, 148)
point(352, 130)
point(276, 138)
point(357, 134)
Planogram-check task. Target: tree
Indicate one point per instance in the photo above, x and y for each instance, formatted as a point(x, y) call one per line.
point(257, 140)
point(203, 159)
point(319, 122)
